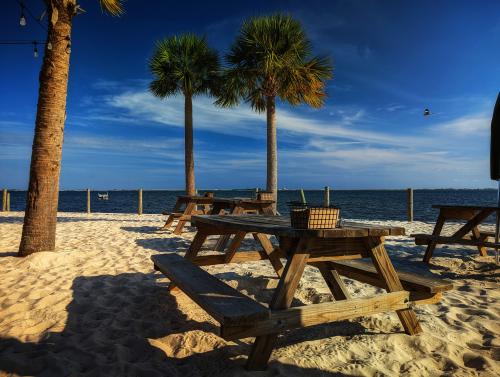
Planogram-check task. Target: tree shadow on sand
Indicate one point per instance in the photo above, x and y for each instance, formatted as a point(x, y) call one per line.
point(113, 325)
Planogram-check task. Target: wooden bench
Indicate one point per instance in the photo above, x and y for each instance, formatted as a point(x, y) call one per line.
point(424, 239)
point(225, 304)
point(364, 271)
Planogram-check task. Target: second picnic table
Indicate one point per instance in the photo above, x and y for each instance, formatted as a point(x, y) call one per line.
point(189, 205)
point(468, 234)
point(332, 251)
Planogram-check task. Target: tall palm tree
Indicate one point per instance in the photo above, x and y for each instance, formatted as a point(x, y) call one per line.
point(39, 229)
point(272, 58)
point(185, 64)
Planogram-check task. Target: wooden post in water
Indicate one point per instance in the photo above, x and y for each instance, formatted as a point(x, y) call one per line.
point(8, 202)
point(4, 200)
point(139, 209)
point(410, 204)
point(88, 200)
point(326, 197)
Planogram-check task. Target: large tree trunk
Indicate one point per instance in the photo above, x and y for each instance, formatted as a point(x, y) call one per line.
point(39, 230)
point(188, 148)
point(272, 149)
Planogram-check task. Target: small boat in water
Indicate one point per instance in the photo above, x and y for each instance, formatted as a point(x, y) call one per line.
point(102, 196)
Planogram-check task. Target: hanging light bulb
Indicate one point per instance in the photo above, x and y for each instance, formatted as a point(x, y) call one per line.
point(22, 19)
point(49, 46)
point(35, 50)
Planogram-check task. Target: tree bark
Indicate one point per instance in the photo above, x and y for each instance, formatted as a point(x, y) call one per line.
point(188, 148)
point(39, 229)
point(272, 149)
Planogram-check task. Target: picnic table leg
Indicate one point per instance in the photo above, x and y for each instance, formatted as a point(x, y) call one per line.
point(188, 211)
point(385, 269)
point(282, 299)
point(476, 234)
point(333, 281)
point(224, 239)
point(271, 253)
point(170, 218)
point(436, 232)
point(233, 246)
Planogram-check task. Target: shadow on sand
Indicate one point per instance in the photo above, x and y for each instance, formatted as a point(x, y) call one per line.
point(112, 324)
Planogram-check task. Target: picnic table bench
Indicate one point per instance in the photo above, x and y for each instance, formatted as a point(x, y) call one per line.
point(334, 252)
point(468, 234)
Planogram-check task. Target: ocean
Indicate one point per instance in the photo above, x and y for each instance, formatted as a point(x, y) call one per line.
point(354, 204)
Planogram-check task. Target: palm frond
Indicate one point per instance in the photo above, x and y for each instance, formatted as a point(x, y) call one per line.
point(113, 7)
point(273, 57)
point(187, 61)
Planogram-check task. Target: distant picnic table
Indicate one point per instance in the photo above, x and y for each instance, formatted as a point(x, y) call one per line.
point(332, 251)
point(189, 205)
point(468, 234)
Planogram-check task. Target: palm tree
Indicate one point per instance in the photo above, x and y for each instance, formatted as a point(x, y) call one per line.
point(271, 58)
point(185, 64)
point(39, 229)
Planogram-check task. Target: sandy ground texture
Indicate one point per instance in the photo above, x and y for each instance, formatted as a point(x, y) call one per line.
point(95, 307)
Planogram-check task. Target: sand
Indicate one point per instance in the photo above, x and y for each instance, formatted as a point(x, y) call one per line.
point(95, 307)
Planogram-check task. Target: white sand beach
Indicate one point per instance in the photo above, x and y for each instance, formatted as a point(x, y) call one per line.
point(97, 307)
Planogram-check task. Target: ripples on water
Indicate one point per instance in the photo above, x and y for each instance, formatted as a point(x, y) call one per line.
point(355, 204)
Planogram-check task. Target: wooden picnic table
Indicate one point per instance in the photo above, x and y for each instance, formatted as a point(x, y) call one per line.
point(191, 204)
point(332, 251)
point(468, 234)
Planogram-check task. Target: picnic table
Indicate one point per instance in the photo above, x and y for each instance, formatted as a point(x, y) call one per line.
point(468, 234)
point(334, 252)
point(214, 206)
point(191, 204)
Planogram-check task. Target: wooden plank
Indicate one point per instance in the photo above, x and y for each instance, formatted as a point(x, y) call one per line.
point(272, 253)
point(436, 232)
point(234, 245)
point(282, 298)
point(311, 315)
point(239, 257)
point(333, 281)
point(424, 239)
point(473, 207)
point(388, 274)
point(367, 273)
point(472, 223)
point(337, 246)
point(458, 213)
point(225, 304)
point(188, 212)
point(281, 227)
point(476, 235)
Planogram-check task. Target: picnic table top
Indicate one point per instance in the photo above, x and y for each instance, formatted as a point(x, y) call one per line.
point(242, 200)
point(280, 226)
point(472, 207)
point(195, 198)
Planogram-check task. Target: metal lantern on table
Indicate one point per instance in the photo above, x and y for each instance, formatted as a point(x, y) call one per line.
point(495, 161)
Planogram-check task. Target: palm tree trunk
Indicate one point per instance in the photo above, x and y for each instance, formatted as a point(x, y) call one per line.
point(39, 229)
point(272, 149)
point(188, 149)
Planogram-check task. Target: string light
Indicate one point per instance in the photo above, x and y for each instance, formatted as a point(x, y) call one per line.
point(22, 19)
point(35, 50)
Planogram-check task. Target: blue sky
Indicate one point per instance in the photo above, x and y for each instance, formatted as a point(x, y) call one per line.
point(392, 59)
